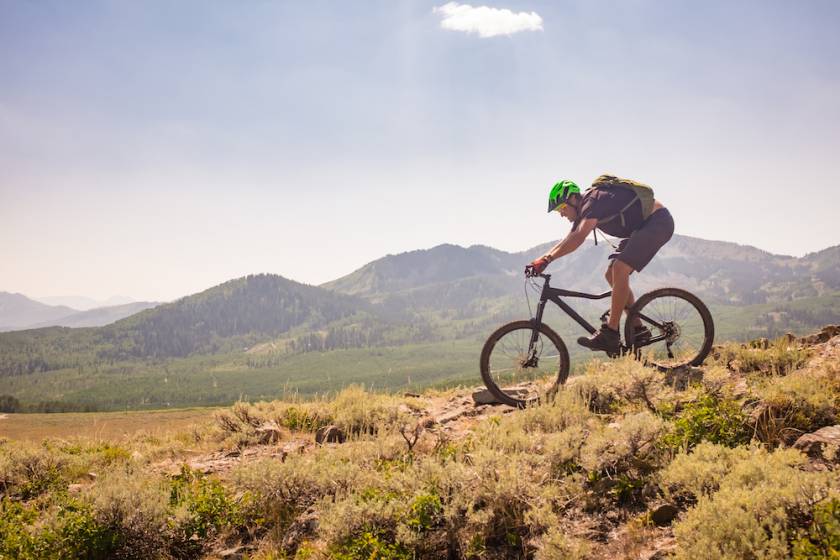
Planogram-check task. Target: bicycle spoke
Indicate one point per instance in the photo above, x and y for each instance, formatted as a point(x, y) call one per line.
point(523, 372)
point(682, 325)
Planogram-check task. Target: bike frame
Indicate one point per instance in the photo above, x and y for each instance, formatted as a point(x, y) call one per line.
point(554, 294)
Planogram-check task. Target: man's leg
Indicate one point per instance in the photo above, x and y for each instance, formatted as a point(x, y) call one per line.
point(630, 298)
point(608, 338)
point(620, 291)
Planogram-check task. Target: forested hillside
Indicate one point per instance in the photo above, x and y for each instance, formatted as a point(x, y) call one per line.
point(228, 317)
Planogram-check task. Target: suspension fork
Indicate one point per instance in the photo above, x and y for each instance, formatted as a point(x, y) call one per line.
point(536, 322)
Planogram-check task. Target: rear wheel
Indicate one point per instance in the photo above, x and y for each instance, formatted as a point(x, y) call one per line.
point(519, 374)
point(681, 326)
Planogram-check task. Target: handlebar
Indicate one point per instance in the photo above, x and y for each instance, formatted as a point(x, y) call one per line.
point(529, 273)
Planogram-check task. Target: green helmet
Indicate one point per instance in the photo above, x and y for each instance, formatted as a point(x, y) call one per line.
point(560, 192)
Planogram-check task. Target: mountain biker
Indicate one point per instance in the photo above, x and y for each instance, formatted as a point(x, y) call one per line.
point(645, 226)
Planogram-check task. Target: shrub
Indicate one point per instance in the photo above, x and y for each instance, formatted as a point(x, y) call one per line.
point(562, 451)
point(624, 385)
point(709, 418)
point(798, 403)
point(700, 472)
point(304, 418)
point(28, 471)
point(66, 529)
point(425, 512)
point(281, 491)
point(619, 458)
point(556, 544)
point(489, 511)
point(565, 410)
point(822, 539)
point(772, 358)
point(358, 412)
point(756, 511)
point(203, 510)
point(133, 507)
point(623, 446)
point(370, 545)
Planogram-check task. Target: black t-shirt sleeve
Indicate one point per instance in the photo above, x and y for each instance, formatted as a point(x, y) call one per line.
point(585, 210)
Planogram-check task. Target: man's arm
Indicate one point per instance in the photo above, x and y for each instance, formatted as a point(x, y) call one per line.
point(573, 240)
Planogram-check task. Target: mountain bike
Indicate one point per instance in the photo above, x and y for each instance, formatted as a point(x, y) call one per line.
point(524, 362)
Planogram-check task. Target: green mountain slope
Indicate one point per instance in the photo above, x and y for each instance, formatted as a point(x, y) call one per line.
point(227, 317)
point(250, 309)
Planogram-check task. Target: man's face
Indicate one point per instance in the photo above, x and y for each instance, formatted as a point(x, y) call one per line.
point(567, 211)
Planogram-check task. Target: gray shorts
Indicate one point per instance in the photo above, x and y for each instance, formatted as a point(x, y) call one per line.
point(638, 249)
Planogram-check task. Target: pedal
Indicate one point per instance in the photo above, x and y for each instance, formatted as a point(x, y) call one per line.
point(605, 316)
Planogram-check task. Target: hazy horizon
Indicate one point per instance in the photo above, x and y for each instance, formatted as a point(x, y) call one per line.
point(156, 150)
point(120, 299)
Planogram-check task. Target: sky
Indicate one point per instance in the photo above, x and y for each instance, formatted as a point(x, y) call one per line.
point(154, 149)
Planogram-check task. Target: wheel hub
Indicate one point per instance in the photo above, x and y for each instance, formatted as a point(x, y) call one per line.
point(672, 332)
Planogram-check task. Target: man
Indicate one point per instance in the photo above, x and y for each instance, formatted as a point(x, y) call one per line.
point(620, 208)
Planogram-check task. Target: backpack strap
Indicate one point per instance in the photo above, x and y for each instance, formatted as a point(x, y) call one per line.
point(620, 213)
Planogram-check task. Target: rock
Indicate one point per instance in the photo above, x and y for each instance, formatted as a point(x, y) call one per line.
point(234, 552)
point(741, 388)
point(405, 409)
point(269, 432)
point(330, 434)
point(760, 343)
point(75, 488)
point(664, 514)
point(484, 396)
point(294, 447)
point(302, 527)
point(455, 414)
point(826, 334)
point(413, 395)
point(817, 443)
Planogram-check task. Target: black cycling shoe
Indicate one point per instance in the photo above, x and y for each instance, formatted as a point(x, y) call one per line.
point(605, 340)
point(641, 335)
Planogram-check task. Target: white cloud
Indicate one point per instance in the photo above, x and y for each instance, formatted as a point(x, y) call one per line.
point(486, 21)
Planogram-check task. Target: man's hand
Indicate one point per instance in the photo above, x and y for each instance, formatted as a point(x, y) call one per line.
point(537, 266)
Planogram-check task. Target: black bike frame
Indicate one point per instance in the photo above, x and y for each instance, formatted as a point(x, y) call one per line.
point(554, 295)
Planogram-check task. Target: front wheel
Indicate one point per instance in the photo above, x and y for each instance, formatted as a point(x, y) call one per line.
point(681, 327)
point(519, 373)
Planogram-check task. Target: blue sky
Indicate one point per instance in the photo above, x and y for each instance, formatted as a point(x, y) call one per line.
point(154, 149)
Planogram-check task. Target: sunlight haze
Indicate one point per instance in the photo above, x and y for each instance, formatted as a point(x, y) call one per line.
point(154, 149)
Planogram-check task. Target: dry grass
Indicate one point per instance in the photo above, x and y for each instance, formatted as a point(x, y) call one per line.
point(578, 477)
point(100, 425)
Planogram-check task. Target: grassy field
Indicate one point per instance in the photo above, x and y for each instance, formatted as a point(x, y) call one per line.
point(100, 425)
point(223, 379)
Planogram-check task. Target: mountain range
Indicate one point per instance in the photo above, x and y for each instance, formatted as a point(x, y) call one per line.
point(427, 310)
point(19, 312)
point(719, 271)
point(84, 303)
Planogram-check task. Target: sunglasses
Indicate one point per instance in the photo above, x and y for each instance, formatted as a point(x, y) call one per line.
point(561, 206)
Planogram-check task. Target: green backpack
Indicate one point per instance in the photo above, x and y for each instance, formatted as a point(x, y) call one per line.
point(643, 192)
